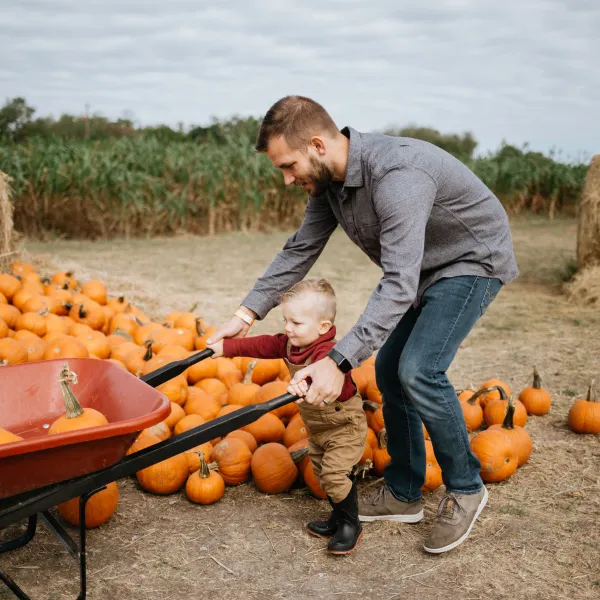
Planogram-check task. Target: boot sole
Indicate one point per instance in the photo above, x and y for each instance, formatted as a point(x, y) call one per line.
point(323, 537)
point(340, 553)
point(465, 535)
point(398, 518)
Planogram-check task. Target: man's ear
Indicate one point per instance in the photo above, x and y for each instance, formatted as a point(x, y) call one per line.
point(318, 143)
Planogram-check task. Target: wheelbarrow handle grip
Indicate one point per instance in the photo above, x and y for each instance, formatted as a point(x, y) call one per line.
point(160, 376)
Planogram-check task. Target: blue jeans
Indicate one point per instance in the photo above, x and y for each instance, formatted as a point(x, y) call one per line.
point(410, 370)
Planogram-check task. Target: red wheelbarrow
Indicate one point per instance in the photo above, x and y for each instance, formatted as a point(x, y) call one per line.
point(43, 470)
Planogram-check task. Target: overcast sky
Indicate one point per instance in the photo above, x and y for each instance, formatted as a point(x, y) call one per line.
point(520, 70)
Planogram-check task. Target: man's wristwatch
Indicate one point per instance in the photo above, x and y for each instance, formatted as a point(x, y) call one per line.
point(244, 316)
point(341, 361)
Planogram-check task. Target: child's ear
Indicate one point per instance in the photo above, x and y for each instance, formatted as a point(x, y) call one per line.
point(325, 326)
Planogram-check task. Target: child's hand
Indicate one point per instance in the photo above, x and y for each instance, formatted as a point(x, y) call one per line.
point(217, 348)
point(298, 389)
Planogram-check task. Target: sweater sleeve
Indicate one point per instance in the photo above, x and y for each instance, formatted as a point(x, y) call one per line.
point(257, 346)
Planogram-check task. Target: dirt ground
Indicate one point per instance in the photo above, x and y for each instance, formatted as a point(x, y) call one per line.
point(538, 538)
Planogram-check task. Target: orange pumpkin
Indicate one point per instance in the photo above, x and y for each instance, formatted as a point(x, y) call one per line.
point(212, 386)
point(75, 416)
point(65, 346)
point(266, 370)
point(362, 376)
point(519, 437)
point(246, 437)
point(33, 322)
point(271, 390)
point(188, 422)
point(494, 393)
point(273, 469)
point(472, 411)
point(9, 285)
point(373, 393)
point(165, 477)
point(176, 389)
point(381, 457)
point(495, 411)
point(177, 413)
point(496, 453)
point(204, 486)
point(205, 369)
point(294, 432)
point(311, 480)
point(12, 352)
point(584, 415)
point(243, 393)
point(267, 428)
point(193, 456)
point(95, 290)
point(7, 437)
point(233, 459)
point(98, 509)
point(200, 403)
point(9, 314)
point(535, 398)
point(89, 313)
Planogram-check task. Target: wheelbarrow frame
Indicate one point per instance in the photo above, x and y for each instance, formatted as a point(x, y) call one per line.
point(38, 502)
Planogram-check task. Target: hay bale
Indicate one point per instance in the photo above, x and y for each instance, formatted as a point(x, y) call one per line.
point(588, 231)
point(584, 288)
point(9, 239)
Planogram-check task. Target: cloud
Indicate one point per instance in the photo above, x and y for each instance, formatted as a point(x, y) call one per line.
point(520, 70)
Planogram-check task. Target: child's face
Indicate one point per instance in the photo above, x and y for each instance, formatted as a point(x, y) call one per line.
point(303, 323)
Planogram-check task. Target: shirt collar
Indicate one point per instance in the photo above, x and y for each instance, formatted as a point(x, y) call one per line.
point(354, 177)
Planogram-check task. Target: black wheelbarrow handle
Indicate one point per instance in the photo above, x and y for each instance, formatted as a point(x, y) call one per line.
point(159, 376)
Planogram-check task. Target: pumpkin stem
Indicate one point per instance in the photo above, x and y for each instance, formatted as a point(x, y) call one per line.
point(71, 403)
point(193, 307)
point(382, 437)
point(43, 311)
point(591, 394)
point(368, 405)
point(121, 299)
point(298, 455)
point(3, 363)
point(213, 466)
point(362, 470)
point(123, 334)
point(199, 330)
point(204, 470)
point(537, 380)
point(82, 312)
point(138, 321)
point(148, 354)
point(510, 412)
point(500, 389)
point(478, 393)
point(249, 370)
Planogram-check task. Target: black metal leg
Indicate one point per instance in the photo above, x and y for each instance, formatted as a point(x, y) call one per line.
point(61, 533)
point(22, 539)
point(13, 587)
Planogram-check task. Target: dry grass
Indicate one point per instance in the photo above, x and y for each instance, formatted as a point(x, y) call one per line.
point(585, 287)
point(8, 237)
point(537, 539)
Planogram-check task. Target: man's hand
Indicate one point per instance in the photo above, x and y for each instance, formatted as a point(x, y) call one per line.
point(234, 328)
point(327, 382)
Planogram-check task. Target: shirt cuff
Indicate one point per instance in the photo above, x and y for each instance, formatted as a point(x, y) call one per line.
point(259, 303)
point(353, 349)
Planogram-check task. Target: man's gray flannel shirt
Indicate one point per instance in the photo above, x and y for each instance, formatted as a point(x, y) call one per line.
point(416, 211)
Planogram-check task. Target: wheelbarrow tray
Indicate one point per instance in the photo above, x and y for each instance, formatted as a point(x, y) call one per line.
point(31, 400)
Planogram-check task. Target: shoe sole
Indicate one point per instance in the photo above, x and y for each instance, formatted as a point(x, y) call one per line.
point(398, 518)
point(465, 535)
point(323, 537)
point(338, 553)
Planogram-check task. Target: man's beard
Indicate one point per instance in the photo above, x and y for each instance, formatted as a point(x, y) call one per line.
point(320, 176)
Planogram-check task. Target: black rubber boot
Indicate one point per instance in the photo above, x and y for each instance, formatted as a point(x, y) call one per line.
point(349, 528)
point(324, 529)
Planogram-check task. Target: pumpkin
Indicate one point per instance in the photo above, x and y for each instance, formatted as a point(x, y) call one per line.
point(121, 350)
point(166, 476)
point(75, 417)
point(246, 437)
point(204, 486)
point(3, 329)
point(212, 386)
point(7, 437)
point(584, 415)
point(271, 390)
point(472, 411)
point(200, 341)
point(193, 457)
point(228, 408)
point(367, 456)
point(96, 344)
point(205, 369)
point(21, 297)
point(294, 432)
point(65, 346)
point(495, 411)
point(496, 453)
point(22, 334)
point(377, 423)
point(144, 440)
point(145, 333)
point(273, 469)
point(9, 314)
point(362, 376)
point(161, 430)
point(494, 394)
point(95, 290)
point(57, 324)
point(125, 322)
point(12, 352)
point(3, 299)
point(98, 509)
point(265, 370)
point(267, 428)
point(381, 457)
point(311, 480)
point(117, 303)
point(373, 393)
point(136, 360)
point(233, 459)
point(36, 348)
point(464, 395)
point(176, 389)
point(175, 337)
point(177, 413)
point(243, 393)
point(65, 278)
point(299, 454)
point(433, 476)
point(33, 322)
point(191, 322)
point(9, 285)
point(38, 303)
point(371, 437)
point(21, 268)
point(519, 437)
point(200, 403)
point(89, 313)
point(535, 398)
point(188, 422)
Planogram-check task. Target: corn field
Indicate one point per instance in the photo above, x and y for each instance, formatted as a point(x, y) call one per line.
point(144, 186)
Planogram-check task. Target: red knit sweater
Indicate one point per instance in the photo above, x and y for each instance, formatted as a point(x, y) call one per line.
point(275, 346)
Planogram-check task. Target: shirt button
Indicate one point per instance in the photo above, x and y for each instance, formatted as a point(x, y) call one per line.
point(338, 408)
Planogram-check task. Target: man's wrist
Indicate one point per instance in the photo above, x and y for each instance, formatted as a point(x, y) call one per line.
point(246, 314)
point(340, 360)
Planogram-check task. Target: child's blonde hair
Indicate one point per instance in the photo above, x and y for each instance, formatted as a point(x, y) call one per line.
point(315, 286)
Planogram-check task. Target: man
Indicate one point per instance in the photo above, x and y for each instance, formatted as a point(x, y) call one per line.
point(443, 242)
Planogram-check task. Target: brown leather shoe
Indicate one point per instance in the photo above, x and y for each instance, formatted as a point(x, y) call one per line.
point(455, 518)
point(382, 505)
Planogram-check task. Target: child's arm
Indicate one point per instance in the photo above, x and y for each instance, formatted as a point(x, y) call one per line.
point(258, 346)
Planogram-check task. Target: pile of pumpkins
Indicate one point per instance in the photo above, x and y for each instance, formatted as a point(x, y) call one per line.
point(57, 317)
